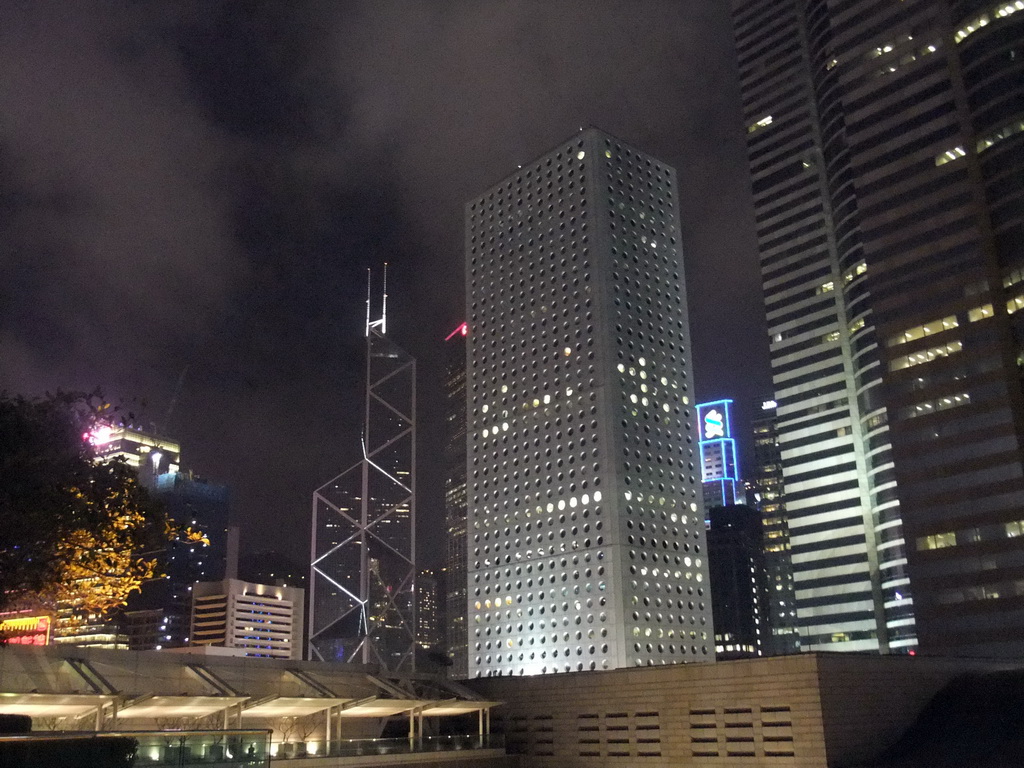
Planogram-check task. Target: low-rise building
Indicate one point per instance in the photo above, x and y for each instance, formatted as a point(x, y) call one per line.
point(261, 619)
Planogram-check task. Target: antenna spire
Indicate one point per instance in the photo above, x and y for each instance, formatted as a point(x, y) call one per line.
point(369, 278)
point(384, 308)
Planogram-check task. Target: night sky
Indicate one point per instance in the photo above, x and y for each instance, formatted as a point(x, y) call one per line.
point(192, 191)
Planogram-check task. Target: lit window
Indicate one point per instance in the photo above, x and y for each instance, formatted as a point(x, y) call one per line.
point(933, 406)
point(950, 155)
point(979, 313)
point(937, 541)
point(1013, 278)
point(971, 27)
point(927, 329)
point(1003, 133)
point(762, 123)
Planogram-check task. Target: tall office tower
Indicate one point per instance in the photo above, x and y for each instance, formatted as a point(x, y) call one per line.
point(363, 571)
point(585, 520)
point(256, 619)
point(150, 456)
point(455, 500)
point(158, 615)
point(886, 143)
point(429, 615)
point(718, 463)
point(769, 491)
point(738, 595)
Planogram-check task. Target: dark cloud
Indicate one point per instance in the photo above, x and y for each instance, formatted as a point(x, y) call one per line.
point(201, 185)
point(115, 231)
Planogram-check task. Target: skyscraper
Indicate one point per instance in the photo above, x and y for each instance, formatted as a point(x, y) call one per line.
point(149, 454)
point(455, 500)
point(886, 144)
point(738, 595)
point(363, 567)
point(158, 615)
point(769, 490)
point(585, 523)
point(429, 632)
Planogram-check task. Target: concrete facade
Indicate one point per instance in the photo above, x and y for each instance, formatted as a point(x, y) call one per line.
point(806, 711)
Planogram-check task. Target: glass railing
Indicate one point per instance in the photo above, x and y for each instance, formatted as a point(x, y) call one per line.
point(159, 749)
point(288, 750)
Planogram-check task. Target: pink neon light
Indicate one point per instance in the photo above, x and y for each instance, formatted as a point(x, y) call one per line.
point(100, 436)
point(461, 330)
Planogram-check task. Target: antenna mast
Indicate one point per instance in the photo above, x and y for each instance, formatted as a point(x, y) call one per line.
point(384, 307)
point(369, 280)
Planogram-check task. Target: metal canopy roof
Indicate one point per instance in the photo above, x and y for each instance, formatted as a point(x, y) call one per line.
point(79, 705)
point(140, 686)
point(52, 704)
point(382, 708)
point(292, 706)
point(178, 706)
point(456, 707)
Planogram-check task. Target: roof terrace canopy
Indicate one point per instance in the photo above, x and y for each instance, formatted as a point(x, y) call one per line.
point(292, 706)
point(178, 706)
point(52, 704)
point(140, 686)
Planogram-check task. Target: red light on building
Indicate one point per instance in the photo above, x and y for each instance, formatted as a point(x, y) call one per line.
point(462, 330)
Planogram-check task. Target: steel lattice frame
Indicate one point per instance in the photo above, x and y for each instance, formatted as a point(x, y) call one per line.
point(363, 571)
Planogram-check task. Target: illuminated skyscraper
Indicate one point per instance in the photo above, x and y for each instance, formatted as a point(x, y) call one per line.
point(429, 632)
point(455, 500)
point(158, 615)
point(149, 454)
point(886, 144)
point(585, 519)
point(769, 490)
point(152, 457)
point(363, 571)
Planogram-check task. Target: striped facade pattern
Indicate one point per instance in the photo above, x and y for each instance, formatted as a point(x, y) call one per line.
point(887, 149)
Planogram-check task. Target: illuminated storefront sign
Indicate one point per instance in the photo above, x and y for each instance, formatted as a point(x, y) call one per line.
point(25, 630)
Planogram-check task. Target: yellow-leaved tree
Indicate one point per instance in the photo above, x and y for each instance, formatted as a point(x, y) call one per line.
point(72, 529)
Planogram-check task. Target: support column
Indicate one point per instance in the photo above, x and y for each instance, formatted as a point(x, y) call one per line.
point(327, 732)
point(480, 721)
